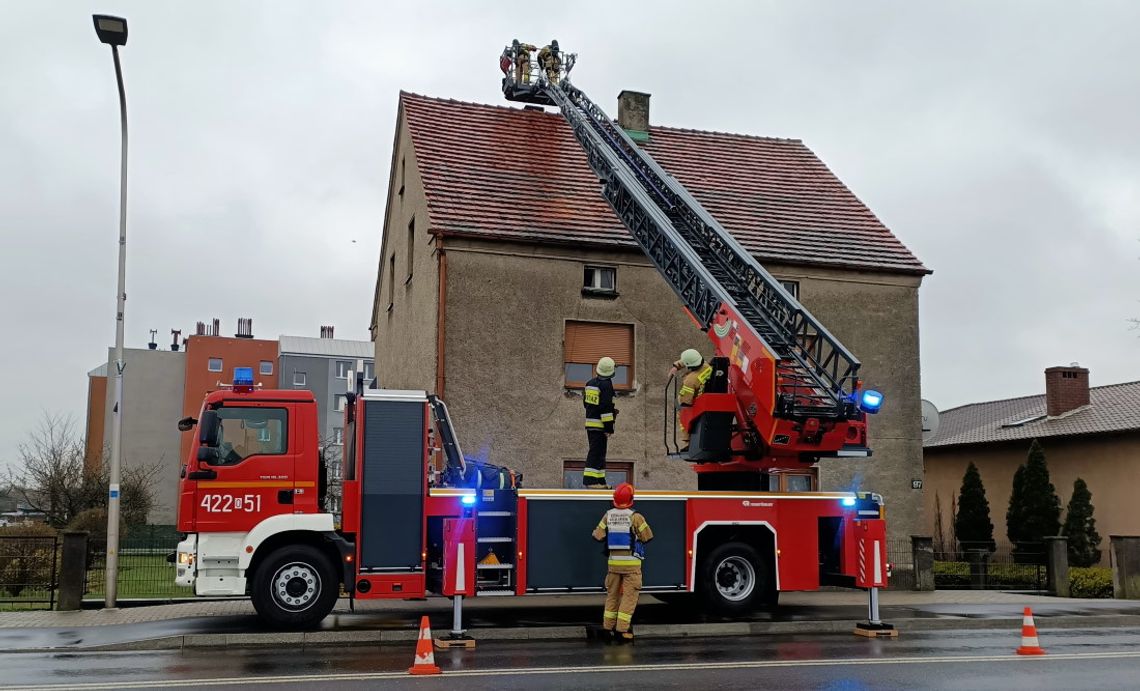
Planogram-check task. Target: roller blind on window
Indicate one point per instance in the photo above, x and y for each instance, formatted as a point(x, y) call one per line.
point(587, 342)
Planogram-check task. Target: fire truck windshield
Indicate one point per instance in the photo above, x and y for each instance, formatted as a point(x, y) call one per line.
point(251, 431)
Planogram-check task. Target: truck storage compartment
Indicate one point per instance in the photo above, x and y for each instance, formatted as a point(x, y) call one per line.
point(562, 556)
point(392, 482)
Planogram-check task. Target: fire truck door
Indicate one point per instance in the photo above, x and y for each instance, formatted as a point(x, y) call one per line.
point(255, 474)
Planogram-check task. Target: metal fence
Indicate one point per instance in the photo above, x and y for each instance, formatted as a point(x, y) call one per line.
point(144, 572)
point(1001, 569)
point(900, 555)
point(28, 571)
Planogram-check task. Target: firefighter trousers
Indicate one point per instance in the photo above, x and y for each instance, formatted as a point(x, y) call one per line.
point(595, 471)
point(622, 590)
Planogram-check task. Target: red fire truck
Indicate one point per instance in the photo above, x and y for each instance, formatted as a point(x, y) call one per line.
point(784, 394)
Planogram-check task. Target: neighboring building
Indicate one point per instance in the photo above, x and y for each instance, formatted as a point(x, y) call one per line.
point(211, 360)
point(504, 275)
point(322, 365)
point(1091, 433)
point(96, 421)
point(152, 404)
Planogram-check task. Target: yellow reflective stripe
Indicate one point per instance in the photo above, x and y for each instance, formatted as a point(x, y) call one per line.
point(643, 527)
point(610, 615)
point(607, 417)
point(624, 561)
point(624, 617)
point(601, 524)
point(593, 395)
point(705, 374)
point(686, 390)
point(594, 424)
point(594, 472)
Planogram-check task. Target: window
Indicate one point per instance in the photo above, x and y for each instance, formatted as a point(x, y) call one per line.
point(792, 287)
point(401, 192)
point(249, 432)
point(338, 434)
point(214, 364)
point(792, 482)
point(339, 402)
point(367, 372)
point(299, 378)
point(266, 367)
point(411, 248)
point(599, 280)
point(587, 342)
point(616, 473)
point(342, 368)
point(391, 282)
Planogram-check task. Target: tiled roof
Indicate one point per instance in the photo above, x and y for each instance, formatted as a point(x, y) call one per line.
point(518, 174)
point(1114, 408)
point(327, 347)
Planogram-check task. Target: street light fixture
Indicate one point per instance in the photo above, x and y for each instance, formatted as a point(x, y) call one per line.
point(113, 32)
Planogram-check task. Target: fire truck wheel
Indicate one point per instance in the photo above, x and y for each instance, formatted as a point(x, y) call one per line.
point(735, 579)
point(295, 587)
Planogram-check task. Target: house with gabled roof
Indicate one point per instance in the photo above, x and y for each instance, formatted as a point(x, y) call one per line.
point(504, 275)
point(1088, 432)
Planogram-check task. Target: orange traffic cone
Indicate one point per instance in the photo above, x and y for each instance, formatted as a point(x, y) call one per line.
point(425, 658)
point(1029, 642)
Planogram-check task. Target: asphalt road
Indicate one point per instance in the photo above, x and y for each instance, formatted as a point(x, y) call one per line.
point(1077, 659)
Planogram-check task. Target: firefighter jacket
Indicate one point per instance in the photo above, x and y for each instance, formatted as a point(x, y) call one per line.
point(693, 384)
point(598, 399)
point(625, 532)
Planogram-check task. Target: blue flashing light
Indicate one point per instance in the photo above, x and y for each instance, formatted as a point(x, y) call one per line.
point(468, 499)
point(870, 401)
point(243, 376)
point(848, 501)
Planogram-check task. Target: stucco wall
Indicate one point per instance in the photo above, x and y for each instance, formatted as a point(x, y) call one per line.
point(405, 336)
point(1109, 464)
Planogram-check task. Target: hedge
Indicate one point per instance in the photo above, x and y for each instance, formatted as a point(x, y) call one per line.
point(1093, 581)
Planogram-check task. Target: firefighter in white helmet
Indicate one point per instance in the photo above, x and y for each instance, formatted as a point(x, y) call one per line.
point(697, 373)
point(598, 399)
point(625, 532)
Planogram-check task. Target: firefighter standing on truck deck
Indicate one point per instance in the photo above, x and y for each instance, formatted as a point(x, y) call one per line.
point(625, 532)
point(598, 399)
point(692, 385)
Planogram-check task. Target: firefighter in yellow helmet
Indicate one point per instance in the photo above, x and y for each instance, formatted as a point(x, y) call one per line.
point(598, 400)
point(550, 60)
point(522, 53)
point(625, 532)
point(697, 373)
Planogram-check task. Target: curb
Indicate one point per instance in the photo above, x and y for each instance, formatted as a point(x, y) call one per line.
point(577, 632)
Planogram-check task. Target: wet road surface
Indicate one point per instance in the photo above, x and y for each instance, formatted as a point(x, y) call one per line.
point(1077, 659)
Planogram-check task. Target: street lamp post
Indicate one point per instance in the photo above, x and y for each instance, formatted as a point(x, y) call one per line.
point(113, 32)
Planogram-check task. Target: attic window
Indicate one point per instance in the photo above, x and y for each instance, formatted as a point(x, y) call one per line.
point(599, 281)
point(1023, 421)
point(401, 191)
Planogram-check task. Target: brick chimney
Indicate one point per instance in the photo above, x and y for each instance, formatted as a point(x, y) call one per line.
point(1066, 388)
point(633, 111)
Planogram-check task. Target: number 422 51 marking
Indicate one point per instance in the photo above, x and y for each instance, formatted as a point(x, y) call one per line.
point(229, 503)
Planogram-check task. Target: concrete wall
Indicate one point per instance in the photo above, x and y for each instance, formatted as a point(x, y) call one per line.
point(405, 336)
point(1109, 464)
point(876, 317)
point(152, 405)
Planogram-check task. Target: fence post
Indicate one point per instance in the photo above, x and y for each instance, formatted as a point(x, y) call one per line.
point(922, 560)
point(979, 563)
point(1125, 566)
point(1057, 565)
point(72, 570)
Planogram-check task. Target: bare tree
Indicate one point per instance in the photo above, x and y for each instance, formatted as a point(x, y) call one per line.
point(53, 478)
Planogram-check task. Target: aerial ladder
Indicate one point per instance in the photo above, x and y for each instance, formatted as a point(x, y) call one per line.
point(784, 391)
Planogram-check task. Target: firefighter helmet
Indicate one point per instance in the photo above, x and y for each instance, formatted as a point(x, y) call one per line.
point(606, 367)
point(554, 46)
point(691, 358)
point(623, 495)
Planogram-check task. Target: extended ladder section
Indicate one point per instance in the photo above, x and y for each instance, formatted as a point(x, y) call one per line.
point(707, 268)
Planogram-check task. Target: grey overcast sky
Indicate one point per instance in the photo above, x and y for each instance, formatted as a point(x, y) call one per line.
point(998, 140)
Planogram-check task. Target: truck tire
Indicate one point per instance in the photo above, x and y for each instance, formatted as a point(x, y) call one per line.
point(736, 580)
point(294, 588)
